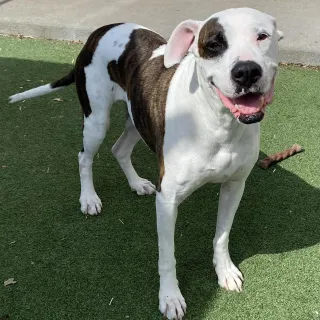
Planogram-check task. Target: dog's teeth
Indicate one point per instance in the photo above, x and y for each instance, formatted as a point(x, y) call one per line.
point(237, 106)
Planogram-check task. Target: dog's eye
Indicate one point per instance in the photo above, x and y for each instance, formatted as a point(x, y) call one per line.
point(215, 42)
point(262, 36)
point(213, 45)
point(220, 37)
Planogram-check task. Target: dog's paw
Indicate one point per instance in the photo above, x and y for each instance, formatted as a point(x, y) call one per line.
point(229, 276)
point(142, 186)
point(90, 204)
point(172, 304)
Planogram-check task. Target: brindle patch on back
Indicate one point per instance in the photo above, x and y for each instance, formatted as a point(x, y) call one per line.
point(146, 83)
point(83, 60)
point(212, 41)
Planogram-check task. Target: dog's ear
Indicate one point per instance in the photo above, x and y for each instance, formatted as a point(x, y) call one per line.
point(280, 35)
point(180, 41)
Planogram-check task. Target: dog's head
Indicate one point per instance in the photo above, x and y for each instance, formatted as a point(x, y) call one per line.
point(236, 51)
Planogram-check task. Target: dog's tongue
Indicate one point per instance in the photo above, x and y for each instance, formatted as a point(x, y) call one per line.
point(247, 104)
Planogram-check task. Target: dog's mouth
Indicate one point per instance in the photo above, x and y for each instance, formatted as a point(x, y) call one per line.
point(248, 108)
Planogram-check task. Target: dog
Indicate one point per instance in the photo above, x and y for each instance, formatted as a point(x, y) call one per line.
point(196, 101)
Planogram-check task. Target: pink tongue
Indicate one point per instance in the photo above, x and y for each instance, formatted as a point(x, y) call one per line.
point(249, 104)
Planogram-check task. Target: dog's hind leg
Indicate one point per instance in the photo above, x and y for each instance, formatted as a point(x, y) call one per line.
point(122, 150)
point(95, 95)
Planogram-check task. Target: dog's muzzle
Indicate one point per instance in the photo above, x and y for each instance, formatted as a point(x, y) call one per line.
point(249, 107)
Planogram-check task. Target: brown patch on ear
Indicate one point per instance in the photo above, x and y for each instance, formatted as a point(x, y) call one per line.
point(212, 40)
point(83, 60)
point(146, 83)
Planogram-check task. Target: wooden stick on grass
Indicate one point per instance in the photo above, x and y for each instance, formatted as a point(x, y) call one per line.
point(277, 157)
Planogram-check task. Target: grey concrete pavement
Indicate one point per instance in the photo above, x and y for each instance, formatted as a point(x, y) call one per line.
point(75, 19)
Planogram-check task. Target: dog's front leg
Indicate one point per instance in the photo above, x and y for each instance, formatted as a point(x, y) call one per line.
point(171, 301)
point(229, 276)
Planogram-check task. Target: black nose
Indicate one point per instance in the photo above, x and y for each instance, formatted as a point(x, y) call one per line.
point(246, 73)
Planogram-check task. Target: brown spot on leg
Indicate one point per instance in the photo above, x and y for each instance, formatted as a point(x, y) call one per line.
point(161, 172)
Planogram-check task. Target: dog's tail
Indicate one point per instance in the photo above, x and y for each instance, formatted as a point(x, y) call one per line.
point(45, 89)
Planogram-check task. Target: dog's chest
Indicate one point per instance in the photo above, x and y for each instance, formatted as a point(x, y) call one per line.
point(231, 160)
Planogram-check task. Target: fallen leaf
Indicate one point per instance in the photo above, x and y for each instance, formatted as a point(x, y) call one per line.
point(4, 166)
point(9, 281)
point(28, 80)
point(57, 99)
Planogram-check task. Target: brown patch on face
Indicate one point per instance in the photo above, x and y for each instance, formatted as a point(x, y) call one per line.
point(83, 60)
point(212, 40)
point(146, 83)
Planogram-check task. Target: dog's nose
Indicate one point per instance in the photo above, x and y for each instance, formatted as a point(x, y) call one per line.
point(246, 73)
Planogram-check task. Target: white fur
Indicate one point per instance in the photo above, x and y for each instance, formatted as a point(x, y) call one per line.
point(241, 29)
point(158, 52)
point(36, 92)
point(203, 141)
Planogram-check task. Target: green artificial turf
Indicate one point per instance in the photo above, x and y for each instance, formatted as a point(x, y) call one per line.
point(68, 266)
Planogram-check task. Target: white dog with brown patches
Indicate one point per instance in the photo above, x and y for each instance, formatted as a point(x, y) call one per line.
point(196, 101)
